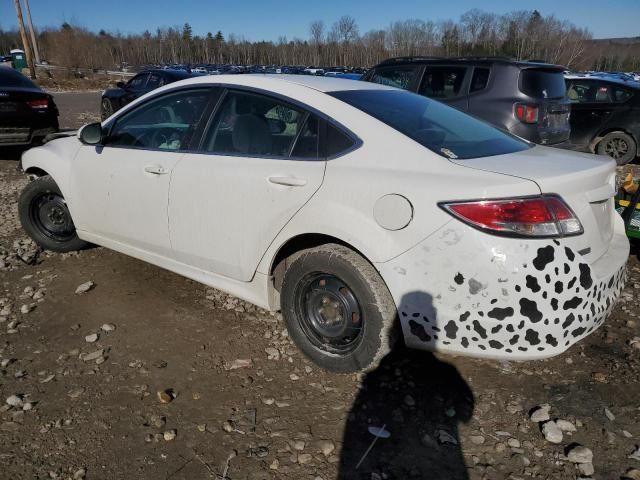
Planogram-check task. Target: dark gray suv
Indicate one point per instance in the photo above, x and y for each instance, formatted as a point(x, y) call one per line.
point(527, 99)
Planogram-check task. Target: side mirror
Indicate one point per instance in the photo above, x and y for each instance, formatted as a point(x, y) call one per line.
point(120, 84)
point(90, 134)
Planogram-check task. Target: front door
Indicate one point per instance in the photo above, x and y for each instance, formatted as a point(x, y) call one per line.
point(259, 164)
point(120, 190)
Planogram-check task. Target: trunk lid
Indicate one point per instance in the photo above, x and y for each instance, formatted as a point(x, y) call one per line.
point(586, 182)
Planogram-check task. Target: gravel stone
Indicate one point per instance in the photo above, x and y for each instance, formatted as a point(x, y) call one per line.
point(580, 454)
point(552, 432)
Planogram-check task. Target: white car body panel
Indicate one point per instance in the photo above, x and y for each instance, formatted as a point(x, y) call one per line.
point(456, 288)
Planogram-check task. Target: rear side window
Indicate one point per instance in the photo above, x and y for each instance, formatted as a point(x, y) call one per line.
point(442, 82)
point(337, 141)
point(620, 94)
point(479, 80)
point(542, 83)
point(438, 127)
point(400, 77)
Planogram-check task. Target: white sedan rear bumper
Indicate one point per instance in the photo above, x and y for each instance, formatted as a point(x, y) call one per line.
point(471, 293)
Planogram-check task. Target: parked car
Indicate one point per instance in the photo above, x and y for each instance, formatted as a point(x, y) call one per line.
point(27, 114)
point(525, 98)
point(353, 207)
point(114, 99)
point(605, 116)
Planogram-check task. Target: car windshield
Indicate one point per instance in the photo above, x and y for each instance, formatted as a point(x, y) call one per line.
point(442, 129)
point(11, 78)
point(540, 83)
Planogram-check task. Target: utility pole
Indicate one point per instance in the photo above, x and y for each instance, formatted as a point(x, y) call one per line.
point(36, 53)
point(25, 41)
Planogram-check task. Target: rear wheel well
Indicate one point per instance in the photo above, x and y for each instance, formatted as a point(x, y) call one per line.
point(35, 172)
point(296, 245)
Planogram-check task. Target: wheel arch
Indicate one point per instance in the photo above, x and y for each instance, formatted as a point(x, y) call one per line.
point(36, 172)
point(298, 243)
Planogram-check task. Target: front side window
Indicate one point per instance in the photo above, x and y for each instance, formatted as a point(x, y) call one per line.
point(438, 127)
point(582, 91)
point(166, 122)
point(442, 82)
point(138, 82)
point(400, 77)
point(256, 125)
point(155, 81)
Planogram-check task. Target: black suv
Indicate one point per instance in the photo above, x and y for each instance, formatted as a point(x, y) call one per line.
point(605, 116)
point(527, 99)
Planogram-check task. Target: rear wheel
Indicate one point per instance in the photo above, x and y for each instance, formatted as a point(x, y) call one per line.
point(106, 109)
point(619, 146)
point(45, 217)
point(337, 309)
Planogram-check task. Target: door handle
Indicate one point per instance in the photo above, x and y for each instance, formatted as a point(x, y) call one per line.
point(288, 181)
point(156, 170)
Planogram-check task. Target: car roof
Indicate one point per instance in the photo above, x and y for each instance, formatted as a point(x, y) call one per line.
point(468, 61)
point(605, 78)
point(319, 83)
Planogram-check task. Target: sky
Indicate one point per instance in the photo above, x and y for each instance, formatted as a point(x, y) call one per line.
point(270, 19)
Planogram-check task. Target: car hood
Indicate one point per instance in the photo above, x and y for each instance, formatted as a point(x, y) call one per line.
point(586, 182)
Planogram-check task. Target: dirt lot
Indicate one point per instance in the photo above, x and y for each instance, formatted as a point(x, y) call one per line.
point(80, 376)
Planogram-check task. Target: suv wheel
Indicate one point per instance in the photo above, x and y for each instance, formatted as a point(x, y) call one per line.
point(618, 145)
point(338, 309)
point(45, 217)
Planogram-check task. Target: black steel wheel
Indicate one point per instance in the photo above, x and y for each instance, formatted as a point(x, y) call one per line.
point(329, 313)
point(619, 146)
point(338, 309)
point(46, 218)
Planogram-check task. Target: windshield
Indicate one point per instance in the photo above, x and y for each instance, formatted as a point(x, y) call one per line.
point(442, 129)
point(540, 83)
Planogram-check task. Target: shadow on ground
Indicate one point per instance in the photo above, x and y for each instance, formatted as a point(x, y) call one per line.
point(420, 400)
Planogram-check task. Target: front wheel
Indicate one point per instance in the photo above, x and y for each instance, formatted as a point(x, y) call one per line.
point(45, 217)
point(619, 146)
point(338, 309)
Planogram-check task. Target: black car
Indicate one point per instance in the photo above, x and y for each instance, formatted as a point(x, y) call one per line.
point(27, 114)
point(605, 116)
point(114, 99)
point(527, 99)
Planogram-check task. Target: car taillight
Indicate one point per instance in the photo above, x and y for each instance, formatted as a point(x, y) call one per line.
point(546, 216)
point(526, 113)
point(38, 104)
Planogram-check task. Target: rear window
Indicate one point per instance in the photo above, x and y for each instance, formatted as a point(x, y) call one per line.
point(399, 77)
point(442, 129)
point(11, 78)
point(540, 83)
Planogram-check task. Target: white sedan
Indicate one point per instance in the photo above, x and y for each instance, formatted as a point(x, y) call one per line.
point(361, 211)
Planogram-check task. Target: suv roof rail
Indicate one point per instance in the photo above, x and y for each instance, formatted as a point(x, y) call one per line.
point(411, 58)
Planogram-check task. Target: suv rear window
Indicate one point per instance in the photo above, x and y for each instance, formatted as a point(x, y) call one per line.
point(399, 77)
point(542, 83)
point(440, 128)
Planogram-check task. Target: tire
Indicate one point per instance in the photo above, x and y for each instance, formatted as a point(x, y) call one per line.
point(619, 146)
point(338, 309)
point(106, 108)
point(45, 217)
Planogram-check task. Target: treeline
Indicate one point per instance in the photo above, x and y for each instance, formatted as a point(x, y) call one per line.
point(519, 34)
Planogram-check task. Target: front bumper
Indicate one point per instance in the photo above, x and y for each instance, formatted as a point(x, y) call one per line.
point(470, 293)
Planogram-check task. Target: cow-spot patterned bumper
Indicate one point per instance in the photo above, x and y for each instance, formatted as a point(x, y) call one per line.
point(470, 293)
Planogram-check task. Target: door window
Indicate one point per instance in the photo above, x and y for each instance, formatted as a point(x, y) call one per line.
point(138, 82)
point(585, 91)
point(167, 122)
point(251, 124)
point(442, 82)
point(399, 77)
point(154, 82)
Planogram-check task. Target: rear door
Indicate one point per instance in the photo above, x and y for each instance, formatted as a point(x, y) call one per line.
point(594, 105)
point(448, 84)
point(259, 164)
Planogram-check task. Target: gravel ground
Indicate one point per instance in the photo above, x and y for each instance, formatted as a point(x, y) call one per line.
point(112, 368)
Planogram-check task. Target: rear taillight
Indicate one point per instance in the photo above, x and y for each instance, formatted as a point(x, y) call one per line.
point(38, 104)
point(547, 216)
point(526, 113)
